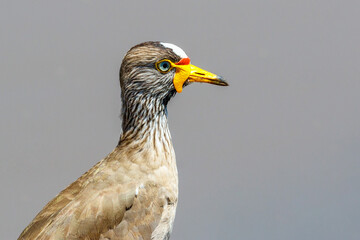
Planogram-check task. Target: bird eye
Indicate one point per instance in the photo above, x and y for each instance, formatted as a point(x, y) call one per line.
point(163, 66)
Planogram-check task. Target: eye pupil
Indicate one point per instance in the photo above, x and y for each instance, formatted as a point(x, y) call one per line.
point(164, 65)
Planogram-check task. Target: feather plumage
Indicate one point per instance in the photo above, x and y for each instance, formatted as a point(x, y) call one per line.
point(132, 193)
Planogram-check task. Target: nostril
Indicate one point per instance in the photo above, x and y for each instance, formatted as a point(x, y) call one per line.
point(202, 74)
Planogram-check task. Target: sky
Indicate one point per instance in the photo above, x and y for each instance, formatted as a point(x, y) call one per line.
point(276, 155)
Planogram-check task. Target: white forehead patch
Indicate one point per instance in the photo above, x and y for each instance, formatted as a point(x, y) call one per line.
point(175, 49)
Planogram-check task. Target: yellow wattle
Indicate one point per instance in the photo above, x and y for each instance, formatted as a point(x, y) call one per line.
point(181, 75)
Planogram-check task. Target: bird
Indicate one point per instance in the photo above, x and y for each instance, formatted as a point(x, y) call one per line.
point(133, 192)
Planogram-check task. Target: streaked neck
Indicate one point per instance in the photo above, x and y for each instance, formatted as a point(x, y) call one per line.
point(145, 128)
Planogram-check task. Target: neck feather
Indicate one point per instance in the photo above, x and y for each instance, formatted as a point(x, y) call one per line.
point(145, 124)
point(146, 137)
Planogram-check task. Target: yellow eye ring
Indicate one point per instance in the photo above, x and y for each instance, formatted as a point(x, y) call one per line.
point(164, 66)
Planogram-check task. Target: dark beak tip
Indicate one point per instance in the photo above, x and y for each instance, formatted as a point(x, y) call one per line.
point(222, 80)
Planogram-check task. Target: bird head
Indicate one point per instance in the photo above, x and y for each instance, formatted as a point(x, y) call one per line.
point(156, 69)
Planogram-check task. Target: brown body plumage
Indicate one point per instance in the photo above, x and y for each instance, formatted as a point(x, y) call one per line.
point(132, 193)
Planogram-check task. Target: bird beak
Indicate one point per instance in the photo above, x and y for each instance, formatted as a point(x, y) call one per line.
point(200, 75)
point(194, 74)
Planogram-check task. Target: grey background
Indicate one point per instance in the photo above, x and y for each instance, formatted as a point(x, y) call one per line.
point(273, 156)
